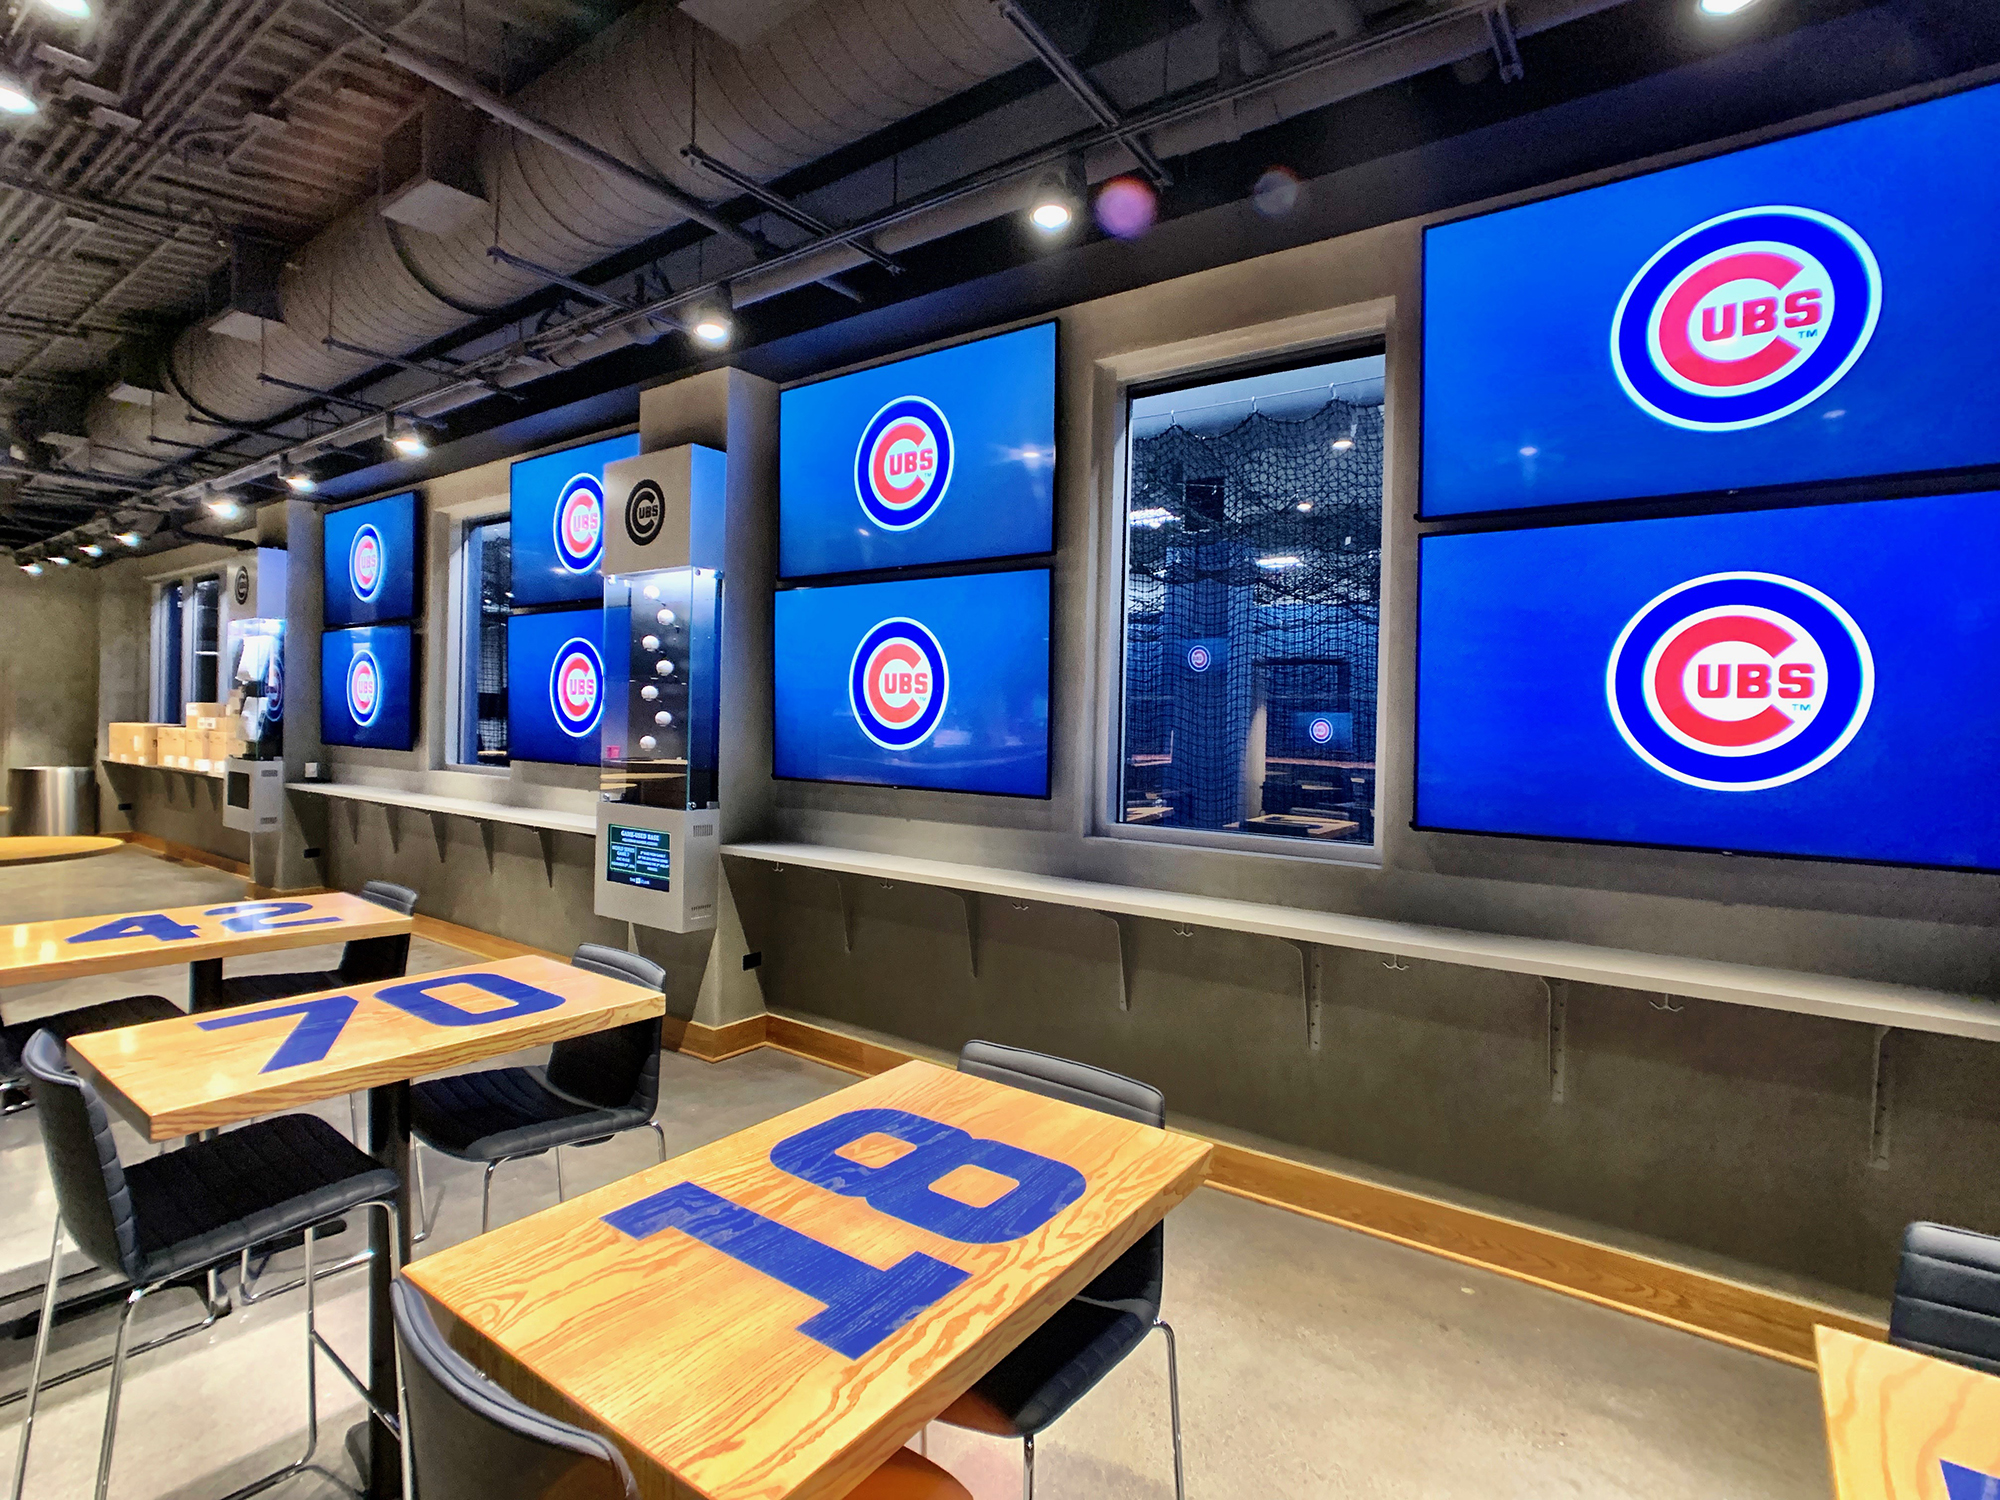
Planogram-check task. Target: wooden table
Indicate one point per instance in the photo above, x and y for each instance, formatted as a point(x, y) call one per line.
point(36, 849)
point(1904, 1426)
point(770, 1317)
point(173, 1078)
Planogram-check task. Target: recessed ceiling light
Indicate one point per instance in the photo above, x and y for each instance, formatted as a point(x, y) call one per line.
point(1723, 7)
point(15, 98)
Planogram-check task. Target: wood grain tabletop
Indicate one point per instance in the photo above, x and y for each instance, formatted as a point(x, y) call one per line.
point(73, 947)
point(173, 1078)
point(1904, 1426)
point(769, 1317)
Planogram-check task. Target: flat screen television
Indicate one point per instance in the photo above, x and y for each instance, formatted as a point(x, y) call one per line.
point(1818, 681)
point(555, 686)
point(370, 562)
point(367, 687)
point(943, 457)
point(935, 682)
point(557, 508)
point(1811, 310)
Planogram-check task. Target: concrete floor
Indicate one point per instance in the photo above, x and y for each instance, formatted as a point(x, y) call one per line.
point(1314, 1361)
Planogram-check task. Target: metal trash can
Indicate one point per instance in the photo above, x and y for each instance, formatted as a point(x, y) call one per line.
point(51, 800)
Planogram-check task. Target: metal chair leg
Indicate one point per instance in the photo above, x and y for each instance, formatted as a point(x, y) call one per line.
point(1174, 1404)
point(1027, 1468)
point(659, 1133)
point(41, 1353)
point(426, 1217)
point(486, 1198)
point(557, 1154)
point(118, 1354)
point(356, 1131)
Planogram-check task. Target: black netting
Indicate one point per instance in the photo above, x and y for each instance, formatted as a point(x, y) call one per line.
point(496, 570)
point(1253, 589)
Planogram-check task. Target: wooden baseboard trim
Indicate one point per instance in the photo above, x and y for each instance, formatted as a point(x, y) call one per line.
point(186, 853)
point(717, 1043)
point(1745, 1317)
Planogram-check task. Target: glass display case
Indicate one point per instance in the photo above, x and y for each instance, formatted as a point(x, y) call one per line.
point(662, 664)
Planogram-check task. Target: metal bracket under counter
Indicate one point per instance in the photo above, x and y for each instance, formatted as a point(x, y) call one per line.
point(547, 822)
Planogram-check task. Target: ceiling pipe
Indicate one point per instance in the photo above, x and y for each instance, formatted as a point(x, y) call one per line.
point(1086, 93)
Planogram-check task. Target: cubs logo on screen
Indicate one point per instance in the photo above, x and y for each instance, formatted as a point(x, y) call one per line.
point(898, 683)
point(364, 564)
point(1746, 318)
point(1737, 682)
point(580, 524)
point(903, 464)
point(576, 683)
point(364, 688)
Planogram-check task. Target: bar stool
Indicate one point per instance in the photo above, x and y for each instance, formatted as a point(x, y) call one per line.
point(1947, 1301)
point(593, 1088)
point(161, 1222)
point(362, 961)
point(1081, 1343)
point(464, 1438)
point(111, 1015)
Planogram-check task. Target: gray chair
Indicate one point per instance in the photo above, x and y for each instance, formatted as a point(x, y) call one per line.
point(1051, 1369)
point(1947, 1301)
point(466, 1439)
point(363, 961)
point(593, 1088)
point(110, 1015)
point(162, 1222)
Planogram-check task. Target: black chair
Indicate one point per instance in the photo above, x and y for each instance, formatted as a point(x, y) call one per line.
point(165, 1221)
point(467, 1439)
point(363, 961)
point(1078, 1346)
point(132, 1010)
point(1947, 1301)
point(593, 1088)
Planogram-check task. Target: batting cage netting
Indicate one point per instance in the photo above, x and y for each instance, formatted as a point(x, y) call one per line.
point(1253, 588)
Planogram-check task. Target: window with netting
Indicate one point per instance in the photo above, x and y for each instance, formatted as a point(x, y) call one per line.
point(489, 598)
point(1253, 586)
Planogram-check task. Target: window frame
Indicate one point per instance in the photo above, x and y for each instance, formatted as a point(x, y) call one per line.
point(1324, 337)
point(158, 675)
point(460, 647)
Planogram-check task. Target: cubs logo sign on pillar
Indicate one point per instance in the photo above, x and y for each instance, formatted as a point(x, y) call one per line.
point(898, 683)
point(364, 564)
point(576, 684)
point(580, 524)
point(1746, 318)
point(364, 687)
point(902, 466)
point(1737, 682)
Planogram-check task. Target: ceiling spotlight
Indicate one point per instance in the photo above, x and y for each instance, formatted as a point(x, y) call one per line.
point(1057, 198)
point(32, 569)
point(76, 10)
point(711, 329)
point(1051, 215)
point(15, 98)
point(1723, 7)
point(91, 549)
point(224, 509)
point(407, 439)
point(130, 538)
point(61, 562)
point(299, 482)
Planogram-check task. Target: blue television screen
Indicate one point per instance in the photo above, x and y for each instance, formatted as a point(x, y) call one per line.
point(936, 682)
point(1818, 681)
point(945, 457)
point(555, 686)
point(1813, 309)
point(557, 510)
point(367, 687)
point(371, 561)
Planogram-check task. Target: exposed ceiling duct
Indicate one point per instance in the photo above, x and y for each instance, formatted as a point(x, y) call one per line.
point(826, 77)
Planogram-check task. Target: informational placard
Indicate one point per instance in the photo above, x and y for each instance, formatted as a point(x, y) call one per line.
point(558, 514)
point(936, 682)
point(944, 457)
point(1813, 309)
point(370, 562)
point(638, 856)
point(1817, 681)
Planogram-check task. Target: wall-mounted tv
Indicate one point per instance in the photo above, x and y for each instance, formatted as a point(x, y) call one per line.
point(557, 510)
point(555, 686)
point(935, 682)
point(367, 687)
point(1818, 681)
point(944, 457)
point(1810, 310)
point(371, 561)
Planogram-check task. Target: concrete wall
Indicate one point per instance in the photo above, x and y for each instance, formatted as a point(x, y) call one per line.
point(48, 670)
point(1712, 1131)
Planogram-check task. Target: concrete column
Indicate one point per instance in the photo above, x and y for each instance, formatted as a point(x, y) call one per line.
point(279, 860)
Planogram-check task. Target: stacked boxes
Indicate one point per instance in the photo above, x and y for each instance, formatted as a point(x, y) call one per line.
point(173, 746)
point(134, 744)
point(210, 736)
